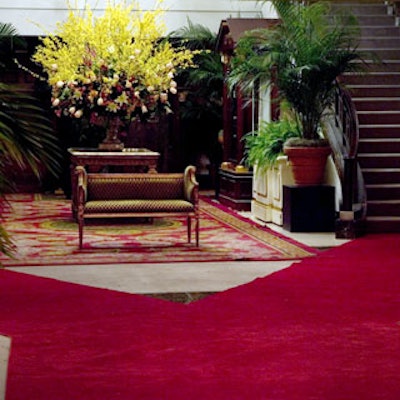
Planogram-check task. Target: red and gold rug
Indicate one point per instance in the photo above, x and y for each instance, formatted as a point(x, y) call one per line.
point(45, 233)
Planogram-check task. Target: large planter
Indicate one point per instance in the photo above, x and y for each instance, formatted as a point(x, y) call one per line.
point(308, 163)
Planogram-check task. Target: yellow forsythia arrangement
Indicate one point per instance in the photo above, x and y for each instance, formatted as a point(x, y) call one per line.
point(117, 63)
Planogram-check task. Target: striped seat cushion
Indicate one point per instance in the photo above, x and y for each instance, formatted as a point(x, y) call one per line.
point(134, 206)
point(136, 187)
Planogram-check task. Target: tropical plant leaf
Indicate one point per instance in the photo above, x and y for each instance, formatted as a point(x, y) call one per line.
point(27, 137)
point(26, 133)
point(302, 56)
point(9, 39)
point(265, 145)
point(205, 82)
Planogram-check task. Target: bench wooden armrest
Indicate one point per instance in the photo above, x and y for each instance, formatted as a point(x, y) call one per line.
point(127, 195)
point(191, 186)
point(81, 190)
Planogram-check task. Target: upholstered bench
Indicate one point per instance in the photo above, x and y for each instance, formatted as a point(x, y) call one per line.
point(127, 195)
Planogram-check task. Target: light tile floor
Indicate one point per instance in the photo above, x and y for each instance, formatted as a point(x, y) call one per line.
point(177, 277)
point(5, 346)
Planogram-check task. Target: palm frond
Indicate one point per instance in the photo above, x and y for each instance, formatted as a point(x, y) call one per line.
point(26, 133)
point(302, 56)
point(7, 29)
point(9, 40)
point(196, 36)
point(27, 137)
point(205, 82)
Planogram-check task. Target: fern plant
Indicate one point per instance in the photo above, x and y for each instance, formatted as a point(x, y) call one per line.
point(265, 145)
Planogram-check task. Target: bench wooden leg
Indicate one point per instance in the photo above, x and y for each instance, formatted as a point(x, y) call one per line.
point(80, 222)
point(197, 229)
point(189, 229)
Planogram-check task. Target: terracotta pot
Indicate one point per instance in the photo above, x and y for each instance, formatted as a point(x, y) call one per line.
point(308, 163)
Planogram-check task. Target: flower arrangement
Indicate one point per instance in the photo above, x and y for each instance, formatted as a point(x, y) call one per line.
point(117, 64)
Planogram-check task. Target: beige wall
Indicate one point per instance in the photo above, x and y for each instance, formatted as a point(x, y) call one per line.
point(39, 17)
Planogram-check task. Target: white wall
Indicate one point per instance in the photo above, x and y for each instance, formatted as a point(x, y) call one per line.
point(38, 17)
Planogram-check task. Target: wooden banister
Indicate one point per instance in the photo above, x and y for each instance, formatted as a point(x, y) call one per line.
point(343, 135)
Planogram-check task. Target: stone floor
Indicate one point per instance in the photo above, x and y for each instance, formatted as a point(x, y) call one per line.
point(179, 278)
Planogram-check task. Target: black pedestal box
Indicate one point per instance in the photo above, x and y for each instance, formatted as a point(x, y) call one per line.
point(309, 208)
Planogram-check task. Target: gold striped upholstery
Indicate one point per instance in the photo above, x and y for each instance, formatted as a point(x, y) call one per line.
point(142, 187)
point(139, 206)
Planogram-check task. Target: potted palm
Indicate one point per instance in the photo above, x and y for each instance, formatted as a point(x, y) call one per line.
point(302, 56)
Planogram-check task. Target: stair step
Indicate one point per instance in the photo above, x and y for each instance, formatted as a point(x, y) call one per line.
point(377, 103)
point(381, 175)
point(379, 131)
point(384, 191)
point(376, 20)
point(386, 66)
point(371, 30)
point(383, 224)
point(374, 90)
point(378, 41)
point(388, 208)
point(372, 78)
point(375, 145)
point(378, 117)
point(362, 9)
point(383, 53)
point(376, 160)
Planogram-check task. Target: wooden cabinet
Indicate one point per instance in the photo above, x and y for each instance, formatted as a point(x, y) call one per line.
point(235, 189)
point(240, 116)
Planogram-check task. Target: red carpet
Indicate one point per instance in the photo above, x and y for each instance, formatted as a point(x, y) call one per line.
point(46, 234)
point(326, 328)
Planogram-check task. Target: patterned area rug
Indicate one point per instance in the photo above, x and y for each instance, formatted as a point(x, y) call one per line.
point(45, 233)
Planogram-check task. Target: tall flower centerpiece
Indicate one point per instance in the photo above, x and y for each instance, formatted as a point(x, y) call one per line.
point(112, 67)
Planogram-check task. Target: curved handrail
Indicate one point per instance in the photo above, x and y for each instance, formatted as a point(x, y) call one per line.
point(342, 131)
point(346, 113)
point(396, 7)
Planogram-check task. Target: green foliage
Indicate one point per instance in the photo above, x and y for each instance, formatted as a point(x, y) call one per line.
point(27, 137)
point(303, 55)
point(26, 134)
point(9, 40)
point(196, 36)
point(204, 83)
point(263, 146)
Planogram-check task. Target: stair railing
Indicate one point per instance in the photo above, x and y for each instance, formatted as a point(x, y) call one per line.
point(343, 134)
point(395, 6)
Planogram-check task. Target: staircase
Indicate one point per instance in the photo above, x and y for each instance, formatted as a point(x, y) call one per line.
point(376, 96)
